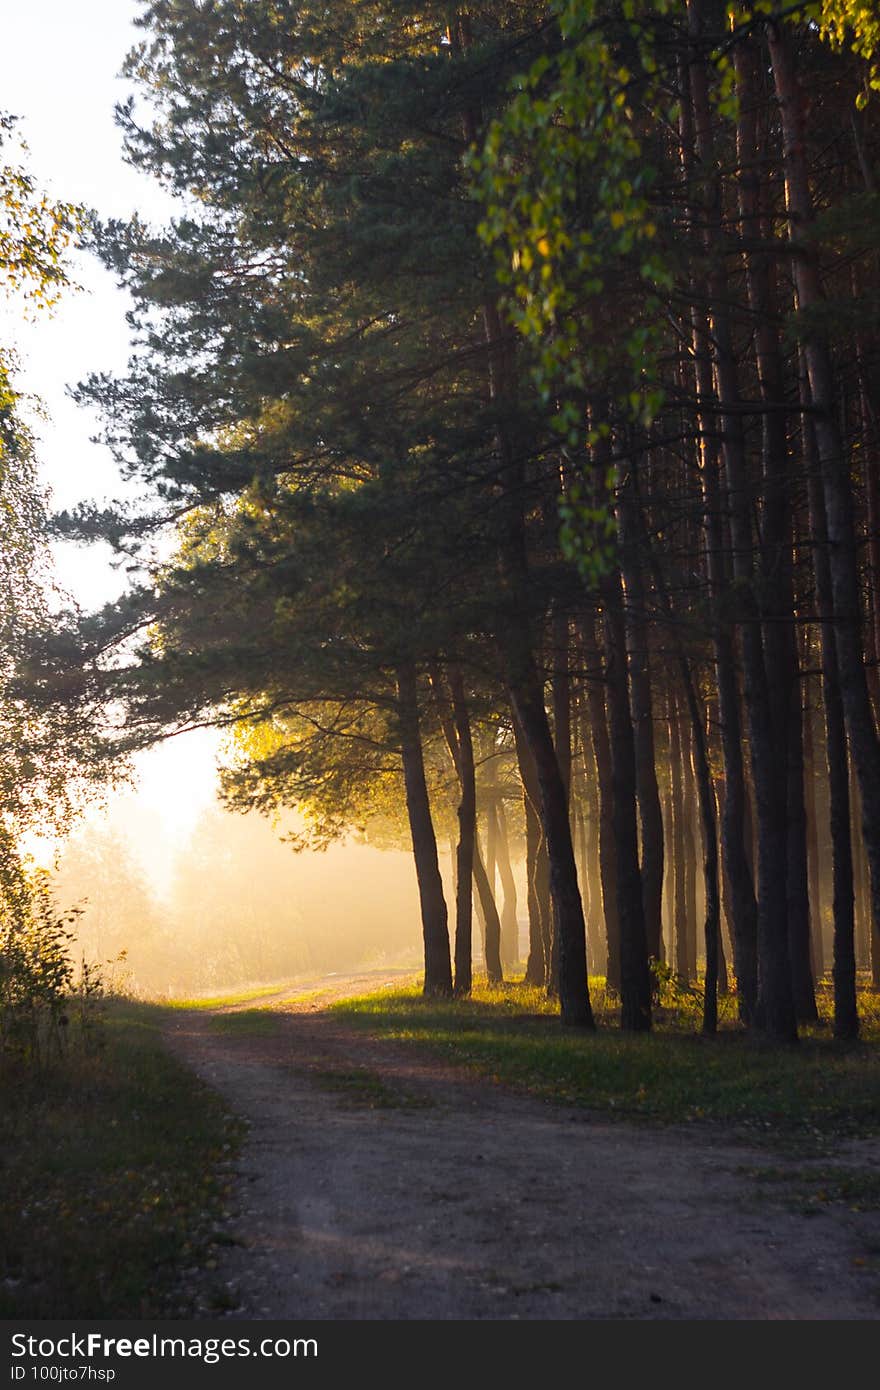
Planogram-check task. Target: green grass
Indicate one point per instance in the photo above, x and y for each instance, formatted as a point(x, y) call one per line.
point(809, 1190)
point(266, 992)
point(111, 1178)
point(512, 1035)
point(228, 1001)
point(245, 1023)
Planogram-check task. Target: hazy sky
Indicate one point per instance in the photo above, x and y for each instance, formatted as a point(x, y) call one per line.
point(59, 61)
point(58, 66)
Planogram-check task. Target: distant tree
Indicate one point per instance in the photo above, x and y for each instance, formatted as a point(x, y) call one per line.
point(97, 872)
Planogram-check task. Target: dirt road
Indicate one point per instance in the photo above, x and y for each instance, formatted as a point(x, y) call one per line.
point(376, 1184)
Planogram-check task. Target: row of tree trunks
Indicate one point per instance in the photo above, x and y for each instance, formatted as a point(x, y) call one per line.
point(452, 709)
point(839, 543)
point(737, 872)
point(774, 1010)
point(779, 634)
point(684, 763)
point(509, 924)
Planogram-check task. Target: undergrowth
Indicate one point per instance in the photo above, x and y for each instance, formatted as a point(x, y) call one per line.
point(114, 1166)
point(818, 1090)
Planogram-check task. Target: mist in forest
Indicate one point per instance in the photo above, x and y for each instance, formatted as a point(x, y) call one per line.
point(170, 907)
point(230, 904)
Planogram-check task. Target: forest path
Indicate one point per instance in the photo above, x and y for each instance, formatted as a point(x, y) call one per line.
point(377, 1182)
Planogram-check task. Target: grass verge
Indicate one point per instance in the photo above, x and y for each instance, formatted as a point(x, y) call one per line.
point(111, 1178)
point(366, 1088)
point(811, 1190)
point(816, 1091)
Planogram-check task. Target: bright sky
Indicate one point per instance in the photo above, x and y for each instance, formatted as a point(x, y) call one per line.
point(59, 61)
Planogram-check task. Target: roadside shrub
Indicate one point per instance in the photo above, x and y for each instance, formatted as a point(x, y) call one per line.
point(42, 999)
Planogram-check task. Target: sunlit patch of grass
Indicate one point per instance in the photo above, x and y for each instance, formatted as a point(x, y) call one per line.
point(113, 1170)
point(290, 1001)
point(226, 1001)
point(513, 1035)
point(868, 1003)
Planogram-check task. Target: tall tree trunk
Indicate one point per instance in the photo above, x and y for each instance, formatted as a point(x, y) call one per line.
point(716, 969)
point(846, 1018)
point(635, 978)
point(477, 901)
point(579, 831)
point(494, 972)
point(735, 831)
point(562, 698)
point(597, 943)
point(679, 892)
point(870, 483)
point(777, 588)
point(562, 744)
point(723, 975)
point(491, 842)
point(509, 923)
point(669, 875)
point(798, 891)
point(435, 930)
point(650, 814)
point(596, 698)
point(690, 852)
point(454, 719)
point(523, 682)
point(536, 966)
point(862, 910)
point(467, 830)
point(815, 886)
point(528, 701)
point(716, 973)
point(542, 885)
point(716, 780)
